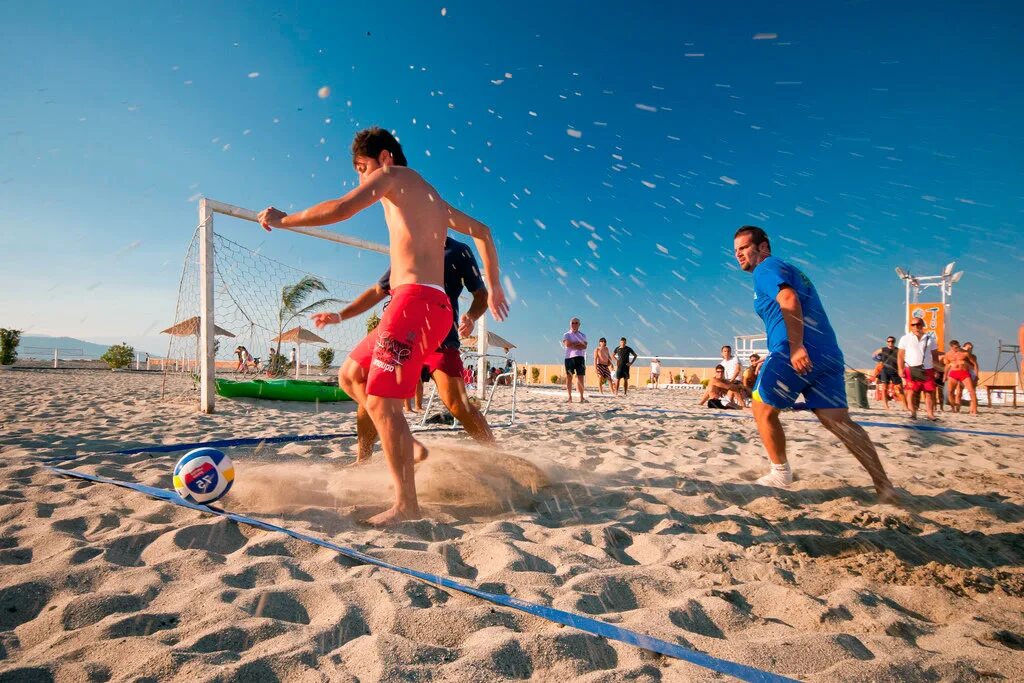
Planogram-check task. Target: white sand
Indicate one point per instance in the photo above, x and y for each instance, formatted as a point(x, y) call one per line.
point(644, 519)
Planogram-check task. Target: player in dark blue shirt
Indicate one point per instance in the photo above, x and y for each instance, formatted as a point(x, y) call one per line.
point(445, 364)
point(804, 359)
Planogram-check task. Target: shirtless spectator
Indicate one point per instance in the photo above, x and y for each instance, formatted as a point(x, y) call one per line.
point(603, 364)
point(718, 392)
point(973, 366)
point(750, 373)
point(959, 377)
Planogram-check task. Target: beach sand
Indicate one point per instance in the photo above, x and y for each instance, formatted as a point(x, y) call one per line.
point(646, 519)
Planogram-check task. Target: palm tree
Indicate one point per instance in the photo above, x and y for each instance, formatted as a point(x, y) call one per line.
point(292, 299)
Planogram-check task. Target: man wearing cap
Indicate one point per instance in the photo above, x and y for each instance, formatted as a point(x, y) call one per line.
point(916, 358)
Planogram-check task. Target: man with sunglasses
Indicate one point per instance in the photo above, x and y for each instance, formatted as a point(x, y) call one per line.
point(916, 358)
point(889, 373)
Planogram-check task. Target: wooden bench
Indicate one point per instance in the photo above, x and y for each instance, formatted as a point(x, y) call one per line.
point(989, 388)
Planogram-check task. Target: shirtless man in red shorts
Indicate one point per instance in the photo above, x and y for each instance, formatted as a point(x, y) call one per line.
point(958, 376)
point(384, 368)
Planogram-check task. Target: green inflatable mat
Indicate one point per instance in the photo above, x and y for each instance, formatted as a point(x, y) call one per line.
point(282, 390)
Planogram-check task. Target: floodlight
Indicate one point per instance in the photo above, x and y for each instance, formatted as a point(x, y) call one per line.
point(914, 282)
point(956, 277)
point(900, 272)
point(949, 268)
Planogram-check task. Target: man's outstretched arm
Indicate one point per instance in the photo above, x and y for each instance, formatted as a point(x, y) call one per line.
point(362, 303)
point(376, 186)
point(481, 234)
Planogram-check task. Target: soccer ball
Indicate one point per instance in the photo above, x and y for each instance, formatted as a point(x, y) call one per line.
point(203, 475)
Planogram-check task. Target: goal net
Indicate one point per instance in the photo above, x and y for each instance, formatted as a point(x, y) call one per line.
point(258, 310)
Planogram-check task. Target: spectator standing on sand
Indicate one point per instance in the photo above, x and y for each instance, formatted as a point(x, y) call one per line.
point(623, 362)
point(916, 360)
point(603, 364)
point(655, 372)
point(889, 372)
point(575, 343)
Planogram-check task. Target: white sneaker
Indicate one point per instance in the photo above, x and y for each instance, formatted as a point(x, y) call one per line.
point(780, 476)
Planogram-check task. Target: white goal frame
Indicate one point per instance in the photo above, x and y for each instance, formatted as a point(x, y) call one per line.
point(207, 209)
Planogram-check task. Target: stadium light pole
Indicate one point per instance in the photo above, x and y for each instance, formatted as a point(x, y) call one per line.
point(944, 282)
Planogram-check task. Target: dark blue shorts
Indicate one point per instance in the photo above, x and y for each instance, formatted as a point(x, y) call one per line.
point(576, 366)
point(779, 385)
point(889, 376)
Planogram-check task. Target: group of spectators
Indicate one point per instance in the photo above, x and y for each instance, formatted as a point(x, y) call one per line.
point(732, 386)
point(914, 367)
point(621, 358)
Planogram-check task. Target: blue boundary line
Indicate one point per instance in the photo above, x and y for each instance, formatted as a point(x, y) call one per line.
point(578, 621)
point(863, 423)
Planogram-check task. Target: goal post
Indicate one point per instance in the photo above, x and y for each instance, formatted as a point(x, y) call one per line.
point(210, 280)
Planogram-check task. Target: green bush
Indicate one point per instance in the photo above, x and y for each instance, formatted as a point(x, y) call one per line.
point(277, 364)
point(326, 355)
point(705, 382)
point(118, 356)
point(535, 373)
point(554, 379)
point(9, 340)
point(677, 378)
point(371, 322)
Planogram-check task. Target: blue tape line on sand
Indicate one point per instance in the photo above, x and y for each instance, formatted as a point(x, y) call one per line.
point(578, 621)
point(862, 423)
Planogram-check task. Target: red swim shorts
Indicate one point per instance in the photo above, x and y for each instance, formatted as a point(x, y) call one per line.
point(448, 361)
point(959, 375)
point(414, 324)
point(927, 385)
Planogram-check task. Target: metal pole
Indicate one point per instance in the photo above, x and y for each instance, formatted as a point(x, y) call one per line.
point(481, 363)
point(906, 306)
point(207, 393)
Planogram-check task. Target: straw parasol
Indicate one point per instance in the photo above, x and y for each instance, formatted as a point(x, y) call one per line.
point(186, 328)
point(299, 336)
point(493, 340)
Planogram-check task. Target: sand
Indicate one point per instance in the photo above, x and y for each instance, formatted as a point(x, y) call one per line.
point(646, 519)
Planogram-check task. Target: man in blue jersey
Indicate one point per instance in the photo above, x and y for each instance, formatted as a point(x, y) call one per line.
point(804, 359)
point(444, 366)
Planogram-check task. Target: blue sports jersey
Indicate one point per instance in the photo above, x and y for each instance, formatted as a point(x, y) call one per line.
point(460, 270)
point(819, 339)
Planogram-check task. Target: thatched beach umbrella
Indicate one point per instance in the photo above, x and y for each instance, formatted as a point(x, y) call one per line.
point(186, 328)
point(299, 336)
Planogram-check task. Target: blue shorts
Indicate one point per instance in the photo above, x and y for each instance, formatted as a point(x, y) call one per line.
point(779, 385)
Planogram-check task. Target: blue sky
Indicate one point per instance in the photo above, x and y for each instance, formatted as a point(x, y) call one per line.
point(614, 149)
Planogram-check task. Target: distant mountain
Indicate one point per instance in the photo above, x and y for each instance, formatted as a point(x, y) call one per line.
point(41, 347)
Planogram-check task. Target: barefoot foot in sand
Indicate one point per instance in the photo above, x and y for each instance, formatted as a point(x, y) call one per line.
point(394, 515)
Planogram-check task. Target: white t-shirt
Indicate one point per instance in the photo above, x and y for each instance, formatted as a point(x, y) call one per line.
point(732, 368)
point(917, 351)
point(577, 337)
point(655, 367)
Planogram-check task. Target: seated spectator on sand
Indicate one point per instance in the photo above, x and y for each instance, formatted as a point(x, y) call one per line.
point(750, 373)
point(719, 392)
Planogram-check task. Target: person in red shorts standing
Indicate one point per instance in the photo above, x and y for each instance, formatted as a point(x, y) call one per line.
point(916, 357)
point(383, 369)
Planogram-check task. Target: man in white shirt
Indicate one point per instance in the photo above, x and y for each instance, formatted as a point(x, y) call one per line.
point(916, 358)
point(733, 374)
point(655, 372)
point(575, 343)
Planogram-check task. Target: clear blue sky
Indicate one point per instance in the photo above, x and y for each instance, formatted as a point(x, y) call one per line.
point(861, 135)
